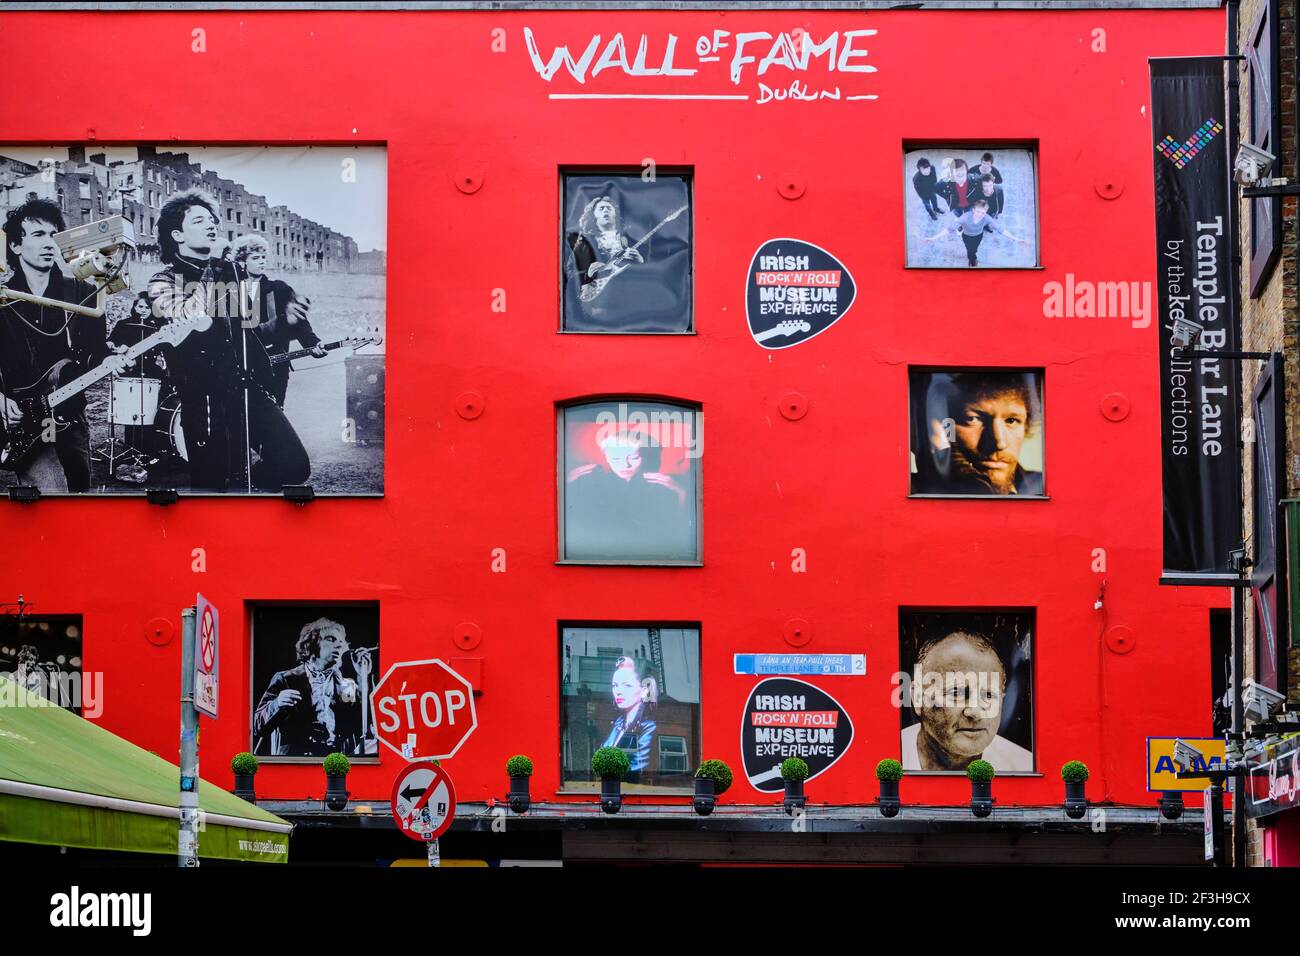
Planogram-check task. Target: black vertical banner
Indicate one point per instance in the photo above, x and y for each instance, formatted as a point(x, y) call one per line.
point(1200, 410)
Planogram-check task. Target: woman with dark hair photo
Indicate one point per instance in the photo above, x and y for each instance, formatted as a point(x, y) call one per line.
point(635, 695)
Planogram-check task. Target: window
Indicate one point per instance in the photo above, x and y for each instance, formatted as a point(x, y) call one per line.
point(630, 487)
point(1267, 476)
point(976, 432)
point(673, 755)
point(626, 258)
point(971, 206)
point(314, 666)
point(1265, 132)
point(635, 687)
point(43, 654)
point(968, 691)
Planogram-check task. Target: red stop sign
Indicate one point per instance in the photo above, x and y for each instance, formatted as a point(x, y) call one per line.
point(423, 710)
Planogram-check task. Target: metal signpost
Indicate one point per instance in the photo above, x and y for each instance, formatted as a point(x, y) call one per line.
point(199, 664)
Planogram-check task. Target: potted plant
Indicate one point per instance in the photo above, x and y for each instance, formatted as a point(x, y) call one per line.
point(981, 774)
point(336, 779)
point(1074, 773)
point(244, 766)
point(611, 765)
point(794, 772)
point(711, 781)
point(889, 772)
point(519, 768)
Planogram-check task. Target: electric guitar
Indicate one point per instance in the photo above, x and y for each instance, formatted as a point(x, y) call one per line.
point(789, 327)
point(355, 342)
point(39, 399)
point(594, 288)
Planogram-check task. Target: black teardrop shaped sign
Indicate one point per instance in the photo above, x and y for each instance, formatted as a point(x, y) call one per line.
point(794, 291)
point(785, 718)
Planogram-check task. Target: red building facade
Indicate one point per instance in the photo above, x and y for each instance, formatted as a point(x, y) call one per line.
point(805, 517)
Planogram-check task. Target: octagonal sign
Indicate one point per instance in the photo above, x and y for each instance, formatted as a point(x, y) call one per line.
point(423, 710)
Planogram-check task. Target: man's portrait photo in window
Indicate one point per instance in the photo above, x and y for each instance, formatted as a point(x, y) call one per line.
point(968, 692)
point(976, 432)
point(314, 666)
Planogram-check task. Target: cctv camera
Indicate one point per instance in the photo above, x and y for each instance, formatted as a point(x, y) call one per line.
point(1251, 165)
point(1185, 333)
point(1260, 701)
point(105, 236)
point(1188, 756)
point(93, 250)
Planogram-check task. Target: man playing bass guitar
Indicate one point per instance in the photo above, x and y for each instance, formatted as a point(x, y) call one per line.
point(232, 425)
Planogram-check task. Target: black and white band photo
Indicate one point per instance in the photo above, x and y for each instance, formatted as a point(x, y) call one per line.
point(314, 666)
point(971, 207)
point(976, 432)
point(626, 256)
point(967, 692)
point(198, 318)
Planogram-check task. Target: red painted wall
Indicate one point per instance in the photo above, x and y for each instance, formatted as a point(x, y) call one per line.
point(835, 483)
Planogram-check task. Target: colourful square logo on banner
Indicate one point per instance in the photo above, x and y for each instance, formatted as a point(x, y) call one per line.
point(1180, 154)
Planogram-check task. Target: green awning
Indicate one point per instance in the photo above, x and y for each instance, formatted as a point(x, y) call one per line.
point(66, 782)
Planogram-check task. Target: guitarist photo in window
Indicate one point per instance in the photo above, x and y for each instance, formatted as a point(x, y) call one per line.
point(42, 347)
point(237, 436)
point(283, 315)
point(627, 251)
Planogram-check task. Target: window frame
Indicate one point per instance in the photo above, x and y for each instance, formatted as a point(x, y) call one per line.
point(250, 704)
point(697, 469)
point(564, 171)
point(987, 145)
point(1263, 259)
point(564, 740)
point(1009, 369)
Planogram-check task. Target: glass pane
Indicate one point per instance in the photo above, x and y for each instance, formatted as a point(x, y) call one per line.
point(968, 206)
point(630, 482)
point(968, 690)
point(43, 654)
point(646, 702)
point(314, 666)
point(977, 432)
point(627, 254)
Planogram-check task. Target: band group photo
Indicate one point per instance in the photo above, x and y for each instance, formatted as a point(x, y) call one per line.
point(202, 319)
point(971, 207)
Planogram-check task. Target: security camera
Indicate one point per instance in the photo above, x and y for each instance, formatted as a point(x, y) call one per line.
point(1185, 333)
point(94, 251)
point(1188, 756)
point(1260, 701)
point(105, 236)
point(1251, 165)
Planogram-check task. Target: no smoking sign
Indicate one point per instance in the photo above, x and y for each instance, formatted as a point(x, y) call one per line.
point(206, 655)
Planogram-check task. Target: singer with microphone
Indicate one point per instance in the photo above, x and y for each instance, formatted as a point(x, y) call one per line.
point(232, 425)
point(315, 709)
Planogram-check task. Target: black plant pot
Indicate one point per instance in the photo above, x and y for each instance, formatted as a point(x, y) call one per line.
point(520, 799)
point(336, 794)
point(981, 797)
point(611, 794)
point(889, 803)
point(244, 787)
point(1171, 804)
point(794, 798)
point(1076, 804)
point(705, 799)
